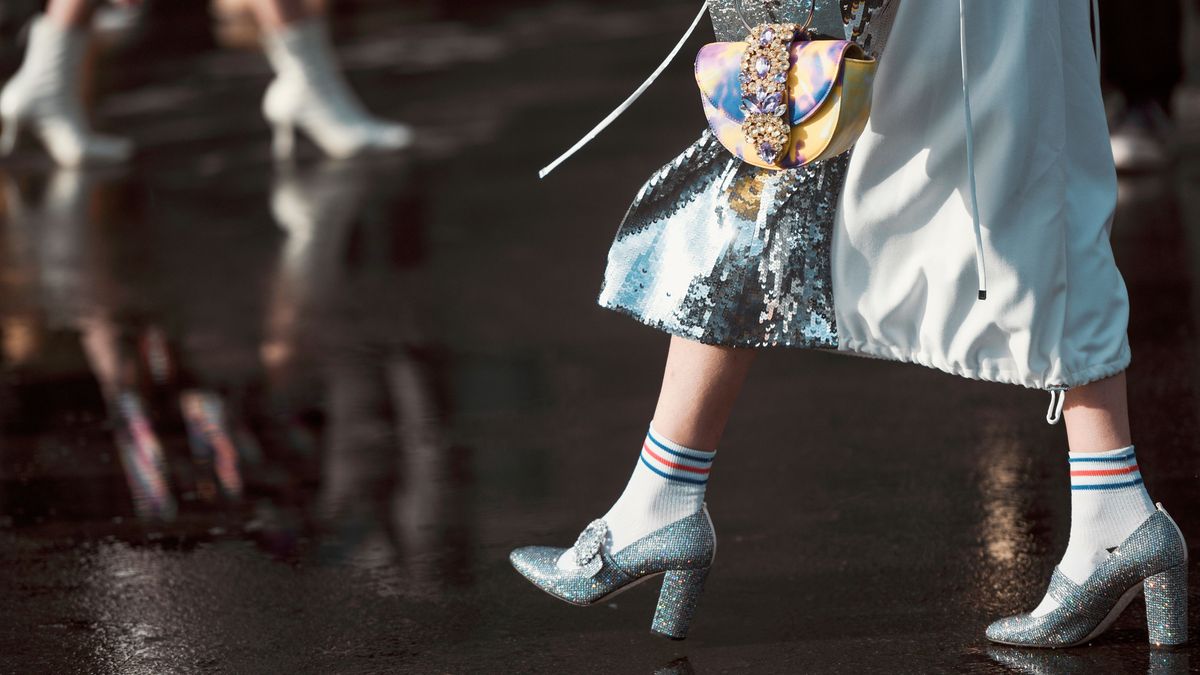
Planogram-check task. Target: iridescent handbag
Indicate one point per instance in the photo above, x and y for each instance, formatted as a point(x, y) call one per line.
point(785, 96)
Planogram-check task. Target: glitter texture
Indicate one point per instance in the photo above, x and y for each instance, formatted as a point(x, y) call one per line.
point(722, 252)
point(1166, 606)
point(1154, 555)
point(683, 551)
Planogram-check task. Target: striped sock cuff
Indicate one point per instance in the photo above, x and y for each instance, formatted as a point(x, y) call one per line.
point(675, 462)
point(1112, 470)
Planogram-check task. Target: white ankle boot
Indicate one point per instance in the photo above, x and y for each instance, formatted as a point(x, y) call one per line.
point(43, 98)
point(310, 93)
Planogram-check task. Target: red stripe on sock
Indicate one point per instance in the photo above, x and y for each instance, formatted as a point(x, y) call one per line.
point(1104, 472)
point(673, 465)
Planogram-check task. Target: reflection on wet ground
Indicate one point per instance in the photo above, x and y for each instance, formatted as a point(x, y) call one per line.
point(291, 419)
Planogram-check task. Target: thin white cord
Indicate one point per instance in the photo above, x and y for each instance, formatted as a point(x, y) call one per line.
point(629, 101)
point(980, 270)
point(1096, 30)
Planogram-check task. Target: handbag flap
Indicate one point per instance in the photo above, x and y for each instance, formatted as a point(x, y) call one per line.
point(813, 71)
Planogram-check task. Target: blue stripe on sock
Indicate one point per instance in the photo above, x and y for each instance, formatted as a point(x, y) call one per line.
point(668, 476)
point(1127, 456)
point(684, 455)
point(1108, 486)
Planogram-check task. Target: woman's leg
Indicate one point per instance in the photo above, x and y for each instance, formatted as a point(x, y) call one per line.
point(1108, 498)
point(274, 15)
point(1097, 416)
point(699, 387)
point(70, 13)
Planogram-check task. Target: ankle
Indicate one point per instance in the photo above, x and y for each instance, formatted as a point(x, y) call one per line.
point(1108, 502)
point(668, 483)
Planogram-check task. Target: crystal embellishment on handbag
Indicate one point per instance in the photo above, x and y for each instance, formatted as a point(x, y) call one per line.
point(764, 88)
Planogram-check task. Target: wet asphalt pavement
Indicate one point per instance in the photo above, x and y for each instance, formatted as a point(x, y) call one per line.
point(285, 419)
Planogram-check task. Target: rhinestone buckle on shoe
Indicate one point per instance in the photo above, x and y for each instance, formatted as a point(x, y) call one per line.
point(764, 88)
point(587, 547)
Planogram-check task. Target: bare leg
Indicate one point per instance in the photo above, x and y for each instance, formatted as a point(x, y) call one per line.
point(275, 14)
point(70, 13)
point(1097, 416)
point(699, 388)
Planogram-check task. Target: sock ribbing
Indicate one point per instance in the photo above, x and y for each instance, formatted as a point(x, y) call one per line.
point(667, 484)
point(674, 462)
point(1105, 470)
point(1108, 502)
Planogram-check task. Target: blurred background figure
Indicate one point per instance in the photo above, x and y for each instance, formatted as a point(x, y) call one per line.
point(348, 304)
point(44, 97)
point(308, 93)
point(1141, 79)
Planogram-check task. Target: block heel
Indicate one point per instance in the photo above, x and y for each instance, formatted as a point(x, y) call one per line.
point(8, 137)
point(677, 602)
point(1166, 606)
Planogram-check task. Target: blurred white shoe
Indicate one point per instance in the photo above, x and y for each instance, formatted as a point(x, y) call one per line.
point(1140, 139)
point(43, 98)
point(309, 93)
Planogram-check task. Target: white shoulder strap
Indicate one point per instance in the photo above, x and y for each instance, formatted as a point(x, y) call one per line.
point(629, 101)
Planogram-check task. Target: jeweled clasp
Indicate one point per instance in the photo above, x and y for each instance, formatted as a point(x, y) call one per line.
point(587, 547)
point(764, 87)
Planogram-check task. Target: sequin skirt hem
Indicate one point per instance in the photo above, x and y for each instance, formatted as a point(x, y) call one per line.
point(679, 330)
point(994, 374)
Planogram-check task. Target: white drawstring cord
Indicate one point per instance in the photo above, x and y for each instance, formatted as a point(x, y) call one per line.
point(1058, 395)
point(629, 101)
point(980, 270)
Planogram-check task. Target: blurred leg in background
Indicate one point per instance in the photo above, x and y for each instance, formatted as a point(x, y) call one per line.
point(309, 92)
point(44, 97)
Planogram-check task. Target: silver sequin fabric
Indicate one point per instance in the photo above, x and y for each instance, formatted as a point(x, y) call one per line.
point(1154, 555)
point(725, 253)
point(684, 550)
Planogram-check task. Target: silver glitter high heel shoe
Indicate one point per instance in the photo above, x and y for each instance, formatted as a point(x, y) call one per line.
point(1153, 559)
point(682, 552)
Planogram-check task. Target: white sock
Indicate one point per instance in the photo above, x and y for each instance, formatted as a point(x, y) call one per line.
point(667, 484)
point(1108, 502)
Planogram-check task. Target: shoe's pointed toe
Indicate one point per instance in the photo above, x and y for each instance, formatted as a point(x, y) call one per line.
point(391, 136)
point(995, 631)
point(535, 562)
point(107, 150)
point(1007, 630)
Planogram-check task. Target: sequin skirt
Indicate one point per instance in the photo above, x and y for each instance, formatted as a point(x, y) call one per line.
point(724, 253)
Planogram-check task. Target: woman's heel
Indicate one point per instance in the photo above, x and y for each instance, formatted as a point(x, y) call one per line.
point(677, 602)
point(8, 137)
point(1166, 606)
point(283, 145)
